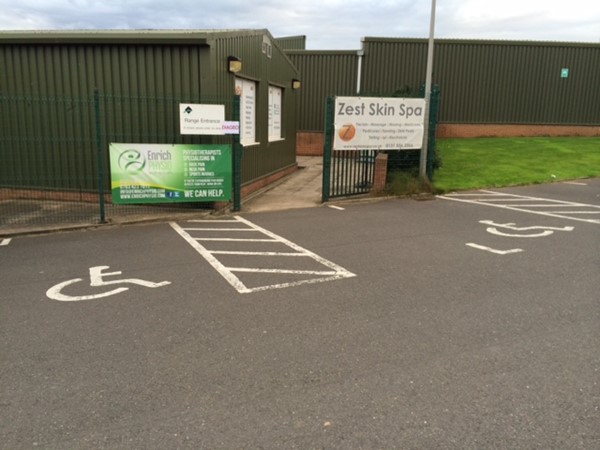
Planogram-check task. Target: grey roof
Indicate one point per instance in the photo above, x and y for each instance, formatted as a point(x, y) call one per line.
point(124, 36)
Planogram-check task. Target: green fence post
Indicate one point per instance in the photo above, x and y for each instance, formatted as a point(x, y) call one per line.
point(327, 150)
point(433, 119)
point(99, 156)
point(237, 159)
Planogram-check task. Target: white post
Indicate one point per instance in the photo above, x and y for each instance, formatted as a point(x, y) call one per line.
point(423, 160)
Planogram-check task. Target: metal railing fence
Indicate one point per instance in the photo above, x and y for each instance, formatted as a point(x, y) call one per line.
point(54, 154)
point(348, 173)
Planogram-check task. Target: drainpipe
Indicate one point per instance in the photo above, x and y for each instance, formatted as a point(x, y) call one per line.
point(360, 53)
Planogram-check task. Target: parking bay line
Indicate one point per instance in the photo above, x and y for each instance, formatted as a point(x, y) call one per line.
point(490, 198)
point(493, 250)
point(335, 273)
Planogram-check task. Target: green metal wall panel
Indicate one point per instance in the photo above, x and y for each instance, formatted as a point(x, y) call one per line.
point(59, 80)
point(141, 77)
point(266, 64)
point(292, 42)
point(390, 66)
point(500, 82)
point(323, 73)
point(518, 84)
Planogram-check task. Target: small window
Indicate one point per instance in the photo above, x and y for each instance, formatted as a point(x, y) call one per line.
point(267, 47)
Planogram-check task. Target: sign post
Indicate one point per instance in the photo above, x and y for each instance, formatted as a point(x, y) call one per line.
point(428, 76)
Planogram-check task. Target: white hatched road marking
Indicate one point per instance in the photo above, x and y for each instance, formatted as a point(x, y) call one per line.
point(334, 271)
point(5, 241)
point(504, 200)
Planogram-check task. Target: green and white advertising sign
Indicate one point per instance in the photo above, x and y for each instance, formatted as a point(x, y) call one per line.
point(157, 173)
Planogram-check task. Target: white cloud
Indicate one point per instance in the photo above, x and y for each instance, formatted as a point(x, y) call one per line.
point(330, 24)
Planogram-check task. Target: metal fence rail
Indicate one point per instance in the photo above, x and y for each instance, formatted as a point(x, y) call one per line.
point(55, 167)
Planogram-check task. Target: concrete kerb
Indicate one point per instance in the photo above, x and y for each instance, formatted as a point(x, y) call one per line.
point(116, 222)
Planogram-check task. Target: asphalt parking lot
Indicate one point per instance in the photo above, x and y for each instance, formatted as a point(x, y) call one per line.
point(367, 325)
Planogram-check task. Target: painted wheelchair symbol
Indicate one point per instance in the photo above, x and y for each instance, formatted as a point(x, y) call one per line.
point(546, 231)
point(97, 280)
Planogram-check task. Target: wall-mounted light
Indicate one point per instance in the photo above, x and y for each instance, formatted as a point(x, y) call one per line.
point(234, 65)
point(296, 84)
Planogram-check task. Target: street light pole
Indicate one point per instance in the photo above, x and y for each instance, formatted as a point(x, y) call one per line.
point(423, 160)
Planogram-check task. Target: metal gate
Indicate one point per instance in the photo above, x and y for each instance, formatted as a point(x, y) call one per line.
point(350, 172)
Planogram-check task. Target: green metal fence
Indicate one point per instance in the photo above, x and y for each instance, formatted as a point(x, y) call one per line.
point(347, 173)
point(55, 166)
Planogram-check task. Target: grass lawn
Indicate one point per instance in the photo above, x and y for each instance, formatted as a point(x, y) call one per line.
point(495, 162)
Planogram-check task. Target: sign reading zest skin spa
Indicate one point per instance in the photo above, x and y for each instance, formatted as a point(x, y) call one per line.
point(371, 123)
point(157, 173)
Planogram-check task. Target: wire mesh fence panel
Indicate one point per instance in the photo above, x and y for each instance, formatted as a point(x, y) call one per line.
point(55, 167)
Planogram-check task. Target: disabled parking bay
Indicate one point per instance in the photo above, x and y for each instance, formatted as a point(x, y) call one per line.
point(431, 343)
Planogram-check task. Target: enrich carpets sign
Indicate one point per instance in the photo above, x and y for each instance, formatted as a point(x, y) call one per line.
point(371, 123)
point(157, 173)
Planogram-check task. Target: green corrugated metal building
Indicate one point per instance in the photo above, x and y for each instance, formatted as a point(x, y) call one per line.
point(292, 42)
point(141, 76)
point(487, 87)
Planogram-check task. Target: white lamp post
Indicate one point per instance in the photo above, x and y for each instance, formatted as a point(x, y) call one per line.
point(423, 160)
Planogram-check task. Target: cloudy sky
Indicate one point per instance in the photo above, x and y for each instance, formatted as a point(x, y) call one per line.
point(327, 24)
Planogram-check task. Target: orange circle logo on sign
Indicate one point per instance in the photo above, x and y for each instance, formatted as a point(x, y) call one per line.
point(347, 132)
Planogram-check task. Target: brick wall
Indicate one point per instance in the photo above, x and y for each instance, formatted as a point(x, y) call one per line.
point(380, 178)
point(491, 130)
point(310, 143)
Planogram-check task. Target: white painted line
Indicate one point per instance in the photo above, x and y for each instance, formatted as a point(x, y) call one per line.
point(470, 194)
point(227, 252)
point(335, 273)
point(212, 221)
point(340, 270)
point(236, 240)
point(216, 229)
point(490, 200)
point(540, 199)
point(540, 205)
point(493, 250)
point(5, 241)
point(297, 283)
point(294, 272)
point(514, 208)
point(230, 277)
point(337, 207)
point(575, 183)
point(544, 205)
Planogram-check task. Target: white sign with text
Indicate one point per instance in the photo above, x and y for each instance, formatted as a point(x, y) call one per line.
point(372, 123)
point(201, 119)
